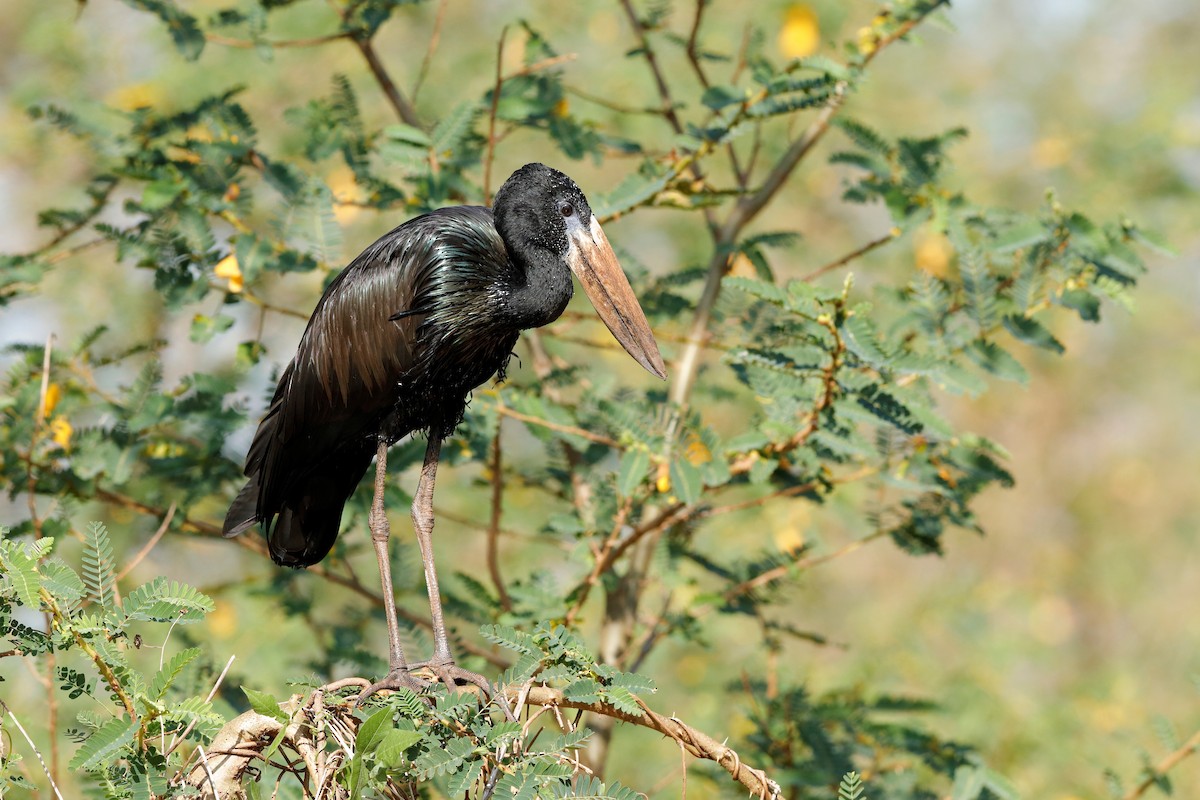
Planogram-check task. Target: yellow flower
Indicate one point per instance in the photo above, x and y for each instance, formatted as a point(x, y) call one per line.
point(800, 35)
point(932, 252)
point(134, 96)
point(53, 393)
point(697, 452)
point(60, 432)
point(228, 268)
point(663, 484)
point(868, 40)
point(346, 194)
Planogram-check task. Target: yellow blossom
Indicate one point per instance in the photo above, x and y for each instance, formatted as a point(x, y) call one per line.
point(800, 35)
point(60, 432)
point(228, 268)
point(932, 251)
point(53, 393)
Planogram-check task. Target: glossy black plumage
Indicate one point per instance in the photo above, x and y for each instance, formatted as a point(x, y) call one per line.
point(399, 339)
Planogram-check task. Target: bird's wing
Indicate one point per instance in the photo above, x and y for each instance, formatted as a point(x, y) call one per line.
point(362, 341)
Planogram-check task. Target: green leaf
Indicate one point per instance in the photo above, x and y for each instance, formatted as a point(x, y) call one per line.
point(453, 128)
point(717, 97)
point(687, 481)
point(408, 134)
point(391, 749)
point(756, 288)
point(631, 192)
point(159, 194)
point(184, 30)
point(102, 747)
point(62, 582)
point(1083, 302)
point(632, 470)
point(996, 360)
point(22, 572)
point(163, 679)
point(1024, 234)
point(204, 327)
point(264, 704)
point(1030, 331)
point(862, 339)
point(98, 571)
point(164, 600)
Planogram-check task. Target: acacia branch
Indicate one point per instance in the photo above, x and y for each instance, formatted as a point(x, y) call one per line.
point(695, 742)
point(851, 256)
point(1163, 767)
point(250, 44)
point(748, 207)
point(571, 430)
point(664, 92)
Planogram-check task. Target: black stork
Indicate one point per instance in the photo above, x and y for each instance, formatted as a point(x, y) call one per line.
point(395, 345)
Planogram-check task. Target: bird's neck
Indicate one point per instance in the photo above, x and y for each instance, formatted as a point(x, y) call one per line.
point(545, 292)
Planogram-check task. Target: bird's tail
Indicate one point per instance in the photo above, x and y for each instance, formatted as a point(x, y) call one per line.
point(311, 512)
point(243, 512)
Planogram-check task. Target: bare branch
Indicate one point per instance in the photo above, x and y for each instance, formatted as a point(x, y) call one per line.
point(493, 533)
point(434, 40)
point(846, 259)
point(400, 104)
point(490, 153)
point(693, 55)
point(664, 93)
point(145, 551)
point(1163, 767)
point(697, 743)
point(250, 44)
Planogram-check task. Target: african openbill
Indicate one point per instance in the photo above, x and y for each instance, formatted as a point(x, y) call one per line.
point(395, 345)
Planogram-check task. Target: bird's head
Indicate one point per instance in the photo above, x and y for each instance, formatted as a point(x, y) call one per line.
point(540, 208)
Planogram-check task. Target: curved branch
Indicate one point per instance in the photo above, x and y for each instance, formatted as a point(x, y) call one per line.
point(695, 742)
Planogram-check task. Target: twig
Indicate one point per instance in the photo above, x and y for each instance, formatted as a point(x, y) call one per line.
point(694, 57)
point(571, 430)
point(603, 562)
point(695, 742)
point(35, 519)
point(250, 44)
point(493, 534)
point(846, 259)
point(1163, 767)
point(664, 93)
point(609, 104)
point(490, 153)
point(775, 573)
point(434, 39)
point(400, 104)
point(37, 753)
point(145, 551)
point(176, 740)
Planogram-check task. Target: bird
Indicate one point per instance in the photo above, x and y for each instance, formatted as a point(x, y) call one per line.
point(396, 344)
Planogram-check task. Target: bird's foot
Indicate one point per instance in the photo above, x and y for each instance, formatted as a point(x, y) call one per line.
point(453, 676)
point(397, 678)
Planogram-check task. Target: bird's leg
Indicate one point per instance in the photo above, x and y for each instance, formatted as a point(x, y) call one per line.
point(442, 664)
point(398, 674)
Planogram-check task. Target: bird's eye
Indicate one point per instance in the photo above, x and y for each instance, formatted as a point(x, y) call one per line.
point(567, 209)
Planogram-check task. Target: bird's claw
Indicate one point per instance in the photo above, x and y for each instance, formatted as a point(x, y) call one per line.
point(399, 678)
point(448, 673)
point(451, 675)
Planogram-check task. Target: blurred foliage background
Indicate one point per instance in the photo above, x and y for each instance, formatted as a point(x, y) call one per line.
point(1054, 642)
